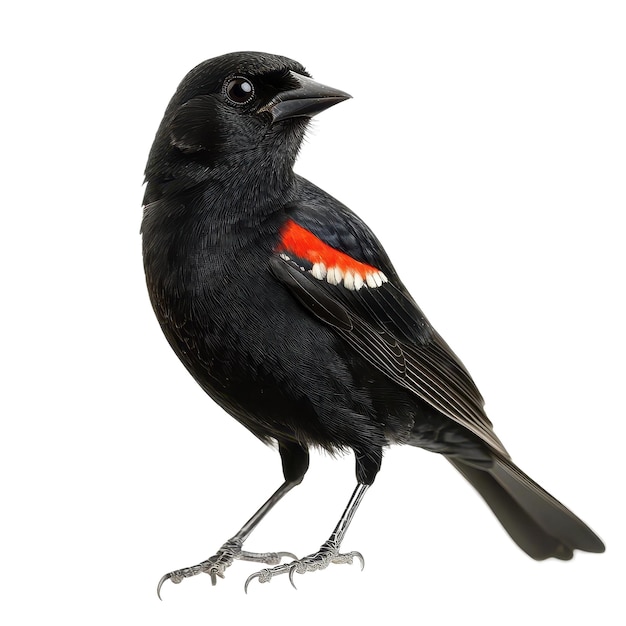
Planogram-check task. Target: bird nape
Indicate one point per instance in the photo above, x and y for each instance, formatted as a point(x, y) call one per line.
point(287, 311)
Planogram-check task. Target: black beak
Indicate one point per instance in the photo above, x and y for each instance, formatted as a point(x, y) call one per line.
point(306, 100)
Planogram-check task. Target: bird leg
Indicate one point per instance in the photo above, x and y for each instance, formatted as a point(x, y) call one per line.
point(216, 565)
point(328, 552)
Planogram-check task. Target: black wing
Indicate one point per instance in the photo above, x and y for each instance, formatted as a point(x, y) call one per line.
point(379, 320)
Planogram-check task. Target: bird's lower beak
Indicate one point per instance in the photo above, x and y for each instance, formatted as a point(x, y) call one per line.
point(306, 100)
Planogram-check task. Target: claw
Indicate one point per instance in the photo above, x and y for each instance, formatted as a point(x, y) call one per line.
point(292, 571)
point(291, 555)
point(249, 579)
point(359, 556)
point(264, 576)
point(163, 579)
point(214, 573)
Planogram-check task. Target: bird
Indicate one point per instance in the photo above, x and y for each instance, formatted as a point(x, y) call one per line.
point(285, 308)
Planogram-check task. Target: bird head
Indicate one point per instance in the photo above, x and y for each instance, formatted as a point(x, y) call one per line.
point(245, 111)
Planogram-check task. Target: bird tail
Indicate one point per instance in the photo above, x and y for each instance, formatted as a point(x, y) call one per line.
point(537, 522)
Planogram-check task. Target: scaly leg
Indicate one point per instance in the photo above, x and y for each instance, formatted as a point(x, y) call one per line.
point(295, 462)
point(327, 554)
point(231, 550)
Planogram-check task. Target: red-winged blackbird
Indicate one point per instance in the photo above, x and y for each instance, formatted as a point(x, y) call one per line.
point(286, 310)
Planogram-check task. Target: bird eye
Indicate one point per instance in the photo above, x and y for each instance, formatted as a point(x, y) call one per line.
point(239, 90)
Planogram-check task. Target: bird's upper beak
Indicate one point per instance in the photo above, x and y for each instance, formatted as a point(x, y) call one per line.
point(306, 100)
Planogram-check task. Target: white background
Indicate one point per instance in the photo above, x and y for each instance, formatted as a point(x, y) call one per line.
point(485, 145)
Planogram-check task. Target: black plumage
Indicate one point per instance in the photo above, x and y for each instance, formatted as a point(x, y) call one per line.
point(287, 311)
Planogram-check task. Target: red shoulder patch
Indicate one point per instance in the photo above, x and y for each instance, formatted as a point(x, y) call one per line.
point(327, 263)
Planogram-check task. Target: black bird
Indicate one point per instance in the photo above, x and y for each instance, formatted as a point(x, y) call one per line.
point(286, 310)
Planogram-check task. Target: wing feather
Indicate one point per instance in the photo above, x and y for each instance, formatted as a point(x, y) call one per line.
point(389, 331)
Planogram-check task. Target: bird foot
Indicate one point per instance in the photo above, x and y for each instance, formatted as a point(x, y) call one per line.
point(216, 565)
point(327, 554)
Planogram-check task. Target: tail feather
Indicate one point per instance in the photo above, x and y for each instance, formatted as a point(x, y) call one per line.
point(536, 521)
